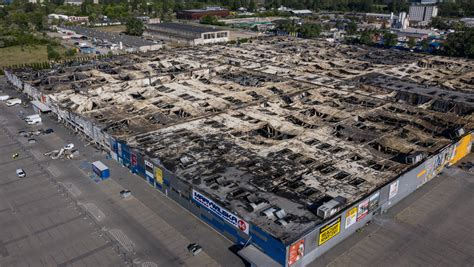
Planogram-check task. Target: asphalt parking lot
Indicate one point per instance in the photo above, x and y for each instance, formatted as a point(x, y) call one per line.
point(40, 224)
point(59, 216)
point(434, 226)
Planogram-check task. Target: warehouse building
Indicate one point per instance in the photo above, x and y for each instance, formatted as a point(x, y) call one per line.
point(284, 146)
point(197, 14)
point(185, 33)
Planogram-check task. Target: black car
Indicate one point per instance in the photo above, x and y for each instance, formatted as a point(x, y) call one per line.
point(48, 131)
point(194, 248)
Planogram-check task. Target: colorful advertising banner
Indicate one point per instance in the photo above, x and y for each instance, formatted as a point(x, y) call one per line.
point(159, 175)
point(374, 201)
point(296, 252)
point(351, 217)
point(134, 160)
point(148, 168)
point(363, 209)
point(462, 149)
point(329, 231)
point(393, 190)
point(221, 212)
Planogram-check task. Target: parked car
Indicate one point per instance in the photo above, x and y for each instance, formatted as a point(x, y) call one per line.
point(125, 194)
point(69, 146)
point(4, 97)
point(13, 101)
point(21, 173)
point(48, 131)
point(194, 249)
point(34, 121)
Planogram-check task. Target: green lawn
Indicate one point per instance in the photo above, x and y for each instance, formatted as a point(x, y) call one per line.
point(16, 55)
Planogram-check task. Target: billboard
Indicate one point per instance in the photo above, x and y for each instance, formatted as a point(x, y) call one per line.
point(363, 209)
point(329, 231)
point(393, 190)
point(221, 212)
point(148, 168)
point(351, 217)
point(159, 175)
point(374, 201)
point(462, 149)
point(296, 252)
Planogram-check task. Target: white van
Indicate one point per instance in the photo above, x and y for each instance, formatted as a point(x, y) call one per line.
point(13, 101)
point(4, 97)
point(31, 117)
point(34, 121)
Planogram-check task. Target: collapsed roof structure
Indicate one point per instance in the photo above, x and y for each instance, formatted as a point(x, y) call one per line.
point(274, 128)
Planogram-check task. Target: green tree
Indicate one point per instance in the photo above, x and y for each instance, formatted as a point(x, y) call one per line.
point(366, 38)
point(52, 53)
point(425, 44)
point(135, 27)
point(411, 42)
point(351, 27)
point(70, 52)
point(252, 5)
point(211, 20)
point(389, 39)
point(310, 30)
point(460, 44)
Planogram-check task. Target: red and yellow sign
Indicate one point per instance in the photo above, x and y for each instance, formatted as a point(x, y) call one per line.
point(329, 231)
point(296, 252)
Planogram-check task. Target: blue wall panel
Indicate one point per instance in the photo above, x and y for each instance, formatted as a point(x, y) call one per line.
point(271, 246)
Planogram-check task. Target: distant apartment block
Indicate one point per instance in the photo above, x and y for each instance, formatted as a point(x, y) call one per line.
point(422, 14)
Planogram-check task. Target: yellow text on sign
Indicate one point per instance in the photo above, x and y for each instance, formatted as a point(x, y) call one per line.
point(329, 231)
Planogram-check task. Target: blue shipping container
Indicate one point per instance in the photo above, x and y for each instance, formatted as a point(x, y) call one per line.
point(101, 170)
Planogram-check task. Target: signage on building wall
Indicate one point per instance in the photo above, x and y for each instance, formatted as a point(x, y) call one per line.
point(296, 252)
point(221, 212)
point(134, 160)
point(462, 148)
point(329, 231)
point(351, 217)
point(148, 168)
point(374, 201)
point(393, 190)
point(363, 209)
point(159, 175)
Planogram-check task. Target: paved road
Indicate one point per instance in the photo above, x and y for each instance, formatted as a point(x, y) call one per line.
point(149, 229)
point(432, 227)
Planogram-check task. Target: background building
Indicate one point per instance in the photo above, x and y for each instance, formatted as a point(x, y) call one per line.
point(197, 14)
point(421, 14)
point(184, 33)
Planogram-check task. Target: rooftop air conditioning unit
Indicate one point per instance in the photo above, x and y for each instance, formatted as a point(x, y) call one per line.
point(414, 158)
point(458, 132)
point(331, 207)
